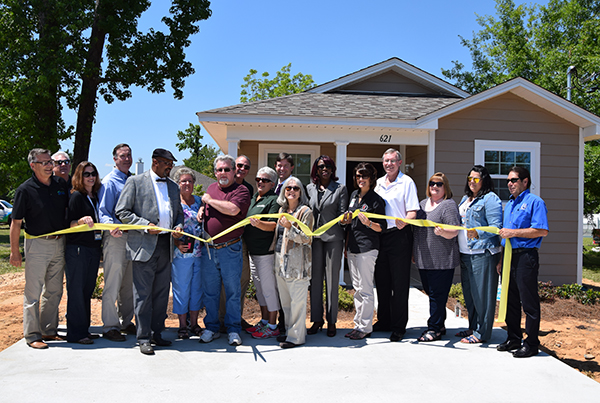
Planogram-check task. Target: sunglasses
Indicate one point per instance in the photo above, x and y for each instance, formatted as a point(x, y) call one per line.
point(436, 184)
point(513, 180)
point(44, 163)
point(263, 180)
point(324, 166)
point(223, 170)
point(471, 179)
point(359, 176)
point(294, 188)
point(88, 174)
point(61, 162)
point(246, 167)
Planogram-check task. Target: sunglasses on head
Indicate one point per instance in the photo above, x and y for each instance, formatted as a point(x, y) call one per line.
point(263, 180)
point(472, 179)
point(223, 170)
point(61, 162)
point(294, 188)
point(513, 180)
point(240, 166)
point(88, 174)
point(436, 184)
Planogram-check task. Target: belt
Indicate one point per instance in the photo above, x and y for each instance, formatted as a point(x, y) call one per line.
point(522, 250)
point(52, 237)
point(225, 244)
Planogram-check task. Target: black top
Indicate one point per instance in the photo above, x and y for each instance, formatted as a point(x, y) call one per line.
point(248, 186)
point(362, 238)
point(257, 240)
point(80, 206)
point(44, 208)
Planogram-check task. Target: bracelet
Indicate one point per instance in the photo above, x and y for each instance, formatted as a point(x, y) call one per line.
point(370, 224)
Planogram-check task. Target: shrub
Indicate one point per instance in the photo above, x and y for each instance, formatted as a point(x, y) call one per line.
point(456, 292)
point(251, 291)
point(98, 289)
point(345, 299)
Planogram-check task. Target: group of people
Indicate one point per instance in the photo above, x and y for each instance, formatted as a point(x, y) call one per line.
point(283, 261)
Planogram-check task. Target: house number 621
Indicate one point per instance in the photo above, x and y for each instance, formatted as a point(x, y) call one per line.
point(385, 138)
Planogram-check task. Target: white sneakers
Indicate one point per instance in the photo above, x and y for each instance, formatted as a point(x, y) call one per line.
point(208, 336)
point(234, 339)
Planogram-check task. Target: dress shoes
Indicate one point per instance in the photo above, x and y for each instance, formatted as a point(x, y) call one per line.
point(395, 336)
point(159, 341)
point(114, 335)
point(54, 337)
point(331, 330)
point(525, 351)
point(130, 329)
point(146, 348)
point(38, 345)
point(509, 345)
point(288, 344)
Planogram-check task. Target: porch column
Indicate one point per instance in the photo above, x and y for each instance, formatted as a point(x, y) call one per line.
point(232, 147)
point(341, 152)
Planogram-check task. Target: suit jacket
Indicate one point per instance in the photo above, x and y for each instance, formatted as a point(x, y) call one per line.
point(137, 205)
point(334, 202)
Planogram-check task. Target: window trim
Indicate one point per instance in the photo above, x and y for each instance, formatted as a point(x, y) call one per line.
point(271, 148)
point(533, 147)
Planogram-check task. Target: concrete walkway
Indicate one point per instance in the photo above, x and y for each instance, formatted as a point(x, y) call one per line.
point(325, 369)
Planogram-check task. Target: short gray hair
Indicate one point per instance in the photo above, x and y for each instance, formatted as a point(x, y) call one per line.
point(184, 171)
point(392, 150)
point(228, 158)
point(282, 201)
point(33, 154)
point(270, 172)
point(58, 153)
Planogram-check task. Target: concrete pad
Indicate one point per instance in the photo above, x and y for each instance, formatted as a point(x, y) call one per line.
point(325, 369)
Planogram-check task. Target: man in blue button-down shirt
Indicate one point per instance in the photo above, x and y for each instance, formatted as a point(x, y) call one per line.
point(118, 288)
point(525, 224)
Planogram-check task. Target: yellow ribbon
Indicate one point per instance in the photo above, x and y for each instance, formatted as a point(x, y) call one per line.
point(319, 231)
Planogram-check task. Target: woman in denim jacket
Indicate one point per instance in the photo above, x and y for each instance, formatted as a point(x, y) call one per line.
point(479, 254)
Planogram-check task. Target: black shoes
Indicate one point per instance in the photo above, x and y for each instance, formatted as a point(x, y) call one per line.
point(395, 336)
point(316, 327)
point(114, 335)
point(525, 351)
point(146, 348)
point(159, 341)
point(509, 345)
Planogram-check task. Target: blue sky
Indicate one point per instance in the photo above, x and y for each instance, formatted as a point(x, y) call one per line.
point(325, 38)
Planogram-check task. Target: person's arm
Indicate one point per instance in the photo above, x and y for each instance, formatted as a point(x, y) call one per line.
point(523, 233)
point(107, 201)
point(124, 208)
point(223, 206)
point(450, 216)
point(410, 215)
point(15, 253)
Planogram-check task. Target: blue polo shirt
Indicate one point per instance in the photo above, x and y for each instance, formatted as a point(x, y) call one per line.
point(109, 193)
point(526, 211)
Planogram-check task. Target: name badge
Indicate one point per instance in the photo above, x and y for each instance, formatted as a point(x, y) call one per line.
point(352, 203)
point(97, 235)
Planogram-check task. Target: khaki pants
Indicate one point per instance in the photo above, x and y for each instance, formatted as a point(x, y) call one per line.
point(117, 296)
point(293, 294)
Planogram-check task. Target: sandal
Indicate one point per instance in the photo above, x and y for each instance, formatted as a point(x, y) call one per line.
point(182, 333)
point(196, 329)
point(464, 333)
point(430, 335)
point(471, 340)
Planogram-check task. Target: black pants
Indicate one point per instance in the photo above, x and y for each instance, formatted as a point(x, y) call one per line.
point(437, 284)
point(523, 290)
point(392, 278)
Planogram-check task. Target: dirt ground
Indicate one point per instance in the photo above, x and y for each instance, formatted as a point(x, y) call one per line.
point(569, 331)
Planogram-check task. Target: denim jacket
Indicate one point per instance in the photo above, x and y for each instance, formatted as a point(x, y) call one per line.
point(484, 211)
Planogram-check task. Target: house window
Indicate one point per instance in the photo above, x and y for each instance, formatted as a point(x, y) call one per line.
point(500, 156)
point(303, 155)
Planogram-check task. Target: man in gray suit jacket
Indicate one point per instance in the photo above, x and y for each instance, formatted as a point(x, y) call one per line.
point(151, 199)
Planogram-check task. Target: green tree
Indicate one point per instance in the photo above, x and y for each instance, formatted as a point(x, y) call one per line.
point(202, 156)
point(539, 43)
point(255, 89)
point(71, 52)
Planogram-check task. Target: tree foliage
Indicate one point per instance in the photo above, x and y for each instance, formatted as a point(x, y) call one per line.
point(71, 52)
point(255, 89)
point(202, 156)
point(539, 43)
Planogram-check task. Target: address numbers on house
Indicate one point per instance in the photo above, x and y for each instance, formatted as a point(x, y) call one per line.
point(385, 138)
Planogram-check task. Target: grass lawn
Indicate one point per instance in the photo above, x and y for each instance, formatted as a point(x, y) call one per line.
point(5, 266)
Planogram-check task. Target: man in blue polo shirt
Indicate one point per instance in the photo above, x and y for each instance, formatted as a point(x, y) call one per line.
point(525, 224)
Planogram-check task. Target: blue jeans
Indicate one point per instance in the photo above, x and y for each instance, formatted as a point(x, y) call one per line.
point(437, 283)
point(222, 266)
point(480, 286)
point(187, 286)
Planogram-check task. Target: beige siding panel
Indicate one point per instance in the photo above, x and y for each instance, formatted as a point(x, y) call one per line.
point(390, 82)
point(558, 195)
point(356, 150)
point(418, 155)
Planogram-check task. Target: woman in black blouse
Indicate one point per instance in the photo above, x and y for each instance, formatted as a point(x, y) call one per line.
point(82, 252)
point(362, 246)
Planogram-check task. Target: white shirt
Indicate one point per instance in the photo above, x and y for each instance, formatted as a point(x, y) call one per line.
point(162, 201)
point(400, 196)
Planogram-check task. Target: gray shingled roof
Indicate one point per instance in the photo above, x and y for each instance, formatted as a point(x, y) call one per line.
point(338, 105)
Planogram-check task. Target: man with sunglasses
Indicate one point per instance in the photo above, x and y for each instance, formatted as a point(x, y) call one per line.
point(151, 198)
point(62, 167)
point(42, 202)
point(525, 224)
point(226, 203)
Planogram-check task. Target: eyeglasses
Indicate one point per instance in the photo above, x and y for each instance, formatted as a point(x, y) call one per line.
point(436, 184)
point(44, 163)
point(390, 161)
point(263, 180)
point(223, 170)
point(324, 166)
point(88, 174)
point(472, 179)
point(294, 188)
point(240, 166)
point(61, 162)
point(513, 180)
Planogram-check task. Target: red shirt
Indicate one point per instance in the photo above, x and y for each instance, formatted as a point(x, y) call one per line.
point(215, 221)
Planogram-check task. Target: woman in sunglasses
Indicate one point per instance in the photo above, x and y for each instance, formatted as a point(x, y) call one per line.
point(328, 200)
point(259, 236)
point(293, 257)
point(479, 254)
point(82, 252)
point(435, 252)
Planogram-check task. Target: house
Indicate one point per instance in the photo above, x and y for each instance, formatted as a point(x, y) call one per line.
point(436, 127)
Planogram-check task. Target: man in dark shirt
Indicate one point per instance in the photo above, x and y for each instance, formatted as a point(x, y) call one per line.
point(62, 167)
point(42, 202)
point(226, 203)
